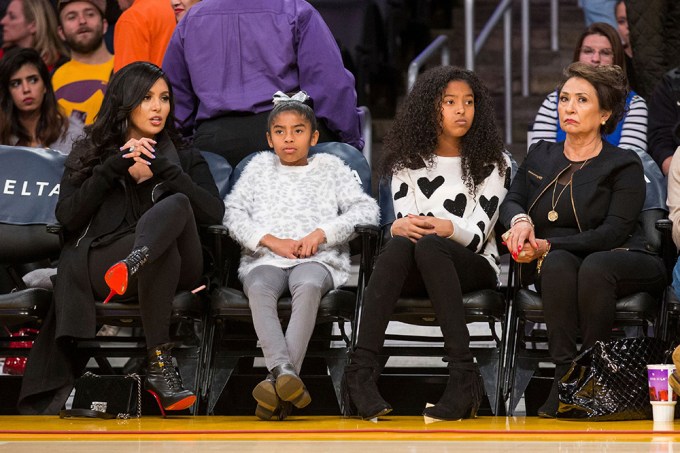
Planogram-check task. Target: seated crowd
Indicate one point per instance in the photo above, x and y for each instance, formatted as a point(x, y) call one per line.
point(135, 122)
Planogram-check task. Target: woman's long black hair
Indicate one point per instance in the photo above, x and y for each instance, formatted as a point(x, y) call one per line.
point(108, 133)
point(413, 137)
point(52, 123)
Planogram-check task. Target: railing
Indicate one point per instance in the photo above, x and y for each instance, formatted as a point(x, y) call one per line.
point(367, 134)
point(440, 44)
point(473, 46)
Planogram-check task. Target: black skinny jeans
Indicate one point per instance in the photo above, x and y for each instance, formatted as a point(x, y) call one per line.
point(579, 294)
point(175, 262)
point(436, 267)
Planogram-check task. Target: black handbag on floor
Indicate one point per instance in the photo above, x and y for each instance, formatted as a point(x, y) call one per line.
point(106, 397)
point(609, 381)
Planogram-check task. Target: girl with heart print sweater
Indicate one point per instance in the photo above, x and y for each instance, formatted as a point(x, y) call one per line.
point(449, 174)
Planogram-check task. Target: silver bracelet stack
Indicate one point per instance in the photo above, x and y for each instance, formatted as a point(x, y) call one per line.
point(521, 218)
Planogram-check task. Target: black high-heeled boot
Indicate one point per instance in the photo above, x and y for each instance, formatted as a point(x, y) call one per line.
point(360, 394)
point(118, 275)
point(549, 408)
point(463, 394)
point(164, 383)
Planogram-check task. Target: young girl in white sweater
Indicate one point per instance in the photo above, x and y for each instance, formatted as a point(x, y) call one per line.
point(293, 216)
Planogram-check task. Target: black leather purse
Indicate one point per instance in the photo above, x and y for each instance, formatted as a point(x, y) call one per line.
point(609, 381)
point(106, 397)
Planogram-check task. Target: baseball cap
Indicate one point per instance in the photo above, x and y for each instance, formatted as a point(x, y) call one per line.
point(100, 4)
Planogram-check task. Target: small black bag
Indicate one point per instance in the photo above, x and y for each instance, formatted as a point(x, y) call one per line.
point(609, 381)
point(106, 397)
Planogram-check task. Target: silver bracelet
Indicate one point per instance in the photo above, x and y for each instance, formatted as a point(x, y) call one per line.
point(521, 218)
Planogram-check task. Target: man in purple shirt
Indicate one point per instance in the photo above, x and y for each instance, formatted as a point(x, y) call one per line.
point(227, 58)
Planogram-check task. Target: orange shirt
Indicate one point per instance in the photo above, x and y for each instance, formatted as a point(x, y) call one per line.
point(143, 32)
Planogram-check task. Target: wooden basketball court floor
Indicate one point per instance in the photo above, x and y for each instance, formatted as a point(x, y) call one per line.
point(201, 434)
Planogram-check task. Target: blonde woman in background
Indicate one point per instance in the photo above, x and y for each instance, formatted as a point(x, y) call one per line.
point(33, 23)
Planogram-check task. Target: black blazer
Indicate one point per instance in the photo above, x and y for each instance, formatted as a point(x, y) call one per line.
point(608, 195)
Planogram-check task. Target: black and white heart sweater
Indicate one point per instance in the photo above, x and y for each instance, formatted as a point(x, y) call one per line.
point(439, 190)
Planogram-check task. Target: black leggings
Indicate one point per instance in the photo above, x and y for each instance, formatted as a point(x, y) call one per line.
point(579, 294)
point(436, 267)
point(175, 262)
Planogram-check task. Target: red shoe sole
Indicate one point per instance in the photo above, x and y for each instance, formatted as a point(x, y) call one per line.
point(116, 278)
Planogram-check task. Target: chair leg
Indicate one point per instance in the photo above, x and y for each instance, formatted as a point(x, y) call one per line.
point(336, 369)
point(489, 368)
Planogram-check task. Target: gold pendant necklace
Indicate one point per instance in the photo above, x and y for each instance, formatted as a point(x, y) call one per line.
point(552, 214)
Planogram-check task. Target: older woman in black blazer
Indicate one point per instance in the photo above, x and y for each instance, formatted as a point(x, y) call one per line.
point(572, 211)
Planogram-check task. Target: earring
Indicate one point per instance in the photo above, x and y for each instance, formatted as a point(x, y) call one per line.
point(125, 125)
point(604, 122)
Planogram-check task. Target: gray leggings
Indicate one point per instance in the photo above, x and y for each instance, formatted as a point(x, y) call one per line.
point(307, 283)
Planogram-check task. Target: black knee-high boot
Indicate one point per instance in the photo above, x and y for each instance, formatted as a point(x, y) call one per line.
point(360, 394)
point(463, 394)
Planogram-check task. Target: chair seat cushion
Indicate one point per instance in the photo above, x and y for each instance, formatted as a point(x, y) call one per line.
point(25, 305)
point(638, 306)
point(232, 304)
point(482, 305)
point(185, 305)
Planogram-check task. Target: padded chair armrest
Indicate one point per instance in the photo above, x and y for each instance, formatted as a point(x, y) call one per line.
point(367, 229)
point(54, 228)
point(219, 230)
point(669, 252)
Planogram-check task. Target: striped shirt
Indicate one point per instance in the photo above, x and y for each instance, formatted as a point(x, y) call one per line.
point(633, 132)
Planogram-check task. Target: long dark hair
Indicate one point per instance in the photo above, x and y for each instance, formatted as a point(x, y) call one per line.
point(606, 30)
point(52, 123)
point(413, 137)
point(108, 133)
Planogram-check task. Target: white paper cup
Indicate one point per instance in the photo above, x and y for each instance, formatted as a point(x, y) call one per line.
point(663, 411)
point(659, 386)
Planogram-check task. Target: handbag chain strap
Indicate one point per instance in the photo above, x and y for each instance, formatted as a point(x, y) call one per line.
point(136, 377)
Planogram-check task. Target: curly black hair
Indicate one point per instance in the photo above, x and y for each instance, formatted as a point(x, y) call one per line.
point(413, 137)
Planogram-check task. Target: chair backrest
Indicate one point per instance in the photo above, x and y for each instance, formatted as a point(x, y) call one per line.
point(349, 154)
point(29, 190)
point(220, 170)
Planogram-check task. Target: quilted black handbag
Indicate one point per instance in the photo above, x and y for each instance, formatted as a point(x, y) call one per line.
point(609, 380)
point(106, 397)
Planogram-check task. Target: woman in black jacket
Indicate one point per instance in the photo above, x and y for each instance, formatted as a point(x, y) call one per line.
point(572, 210)
point(130, 201)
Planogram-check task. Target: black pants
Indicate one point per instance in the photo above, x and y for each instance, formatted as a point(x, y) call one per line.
point(436, 267)
point(236, 136)
point(579, 294)
point(175, 262)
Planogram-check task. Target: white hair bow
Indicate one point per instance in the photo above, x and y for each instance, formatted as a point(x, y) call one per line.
point(280, 96)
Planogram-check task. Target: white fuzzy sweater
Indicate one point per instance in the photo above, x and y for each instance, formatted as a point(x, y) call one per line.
point(290, 202)
point(439, 191)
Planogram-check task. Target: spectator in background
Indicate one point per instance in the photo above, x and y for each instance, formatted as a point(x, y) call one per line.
point(599, 11)
point(29, 114)
point(624, 33)
point(142, 32)
point(80, 83)
point(664, 121)
point(655, 38)
point(599, 45)
point(223, 86)
point(33, 23)
point(180, 7)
